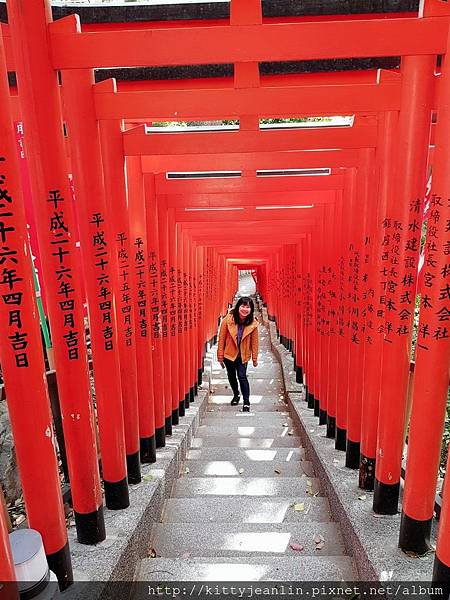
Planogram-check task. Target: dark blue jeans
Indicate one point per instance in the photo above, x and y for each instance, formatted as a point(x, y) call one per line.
point(237, 367)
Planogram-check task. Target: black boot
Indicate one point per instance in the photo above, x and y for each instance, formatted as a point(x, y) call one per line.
point(235, 400)
point(246, 407)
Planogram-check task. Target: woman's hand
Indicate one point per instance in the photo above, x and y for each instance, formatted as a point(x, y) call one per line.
point(255, 363)
point(222, 364)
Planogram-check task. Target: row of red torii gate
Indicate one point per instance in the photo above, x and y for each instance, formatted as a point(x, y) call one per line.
point(330, 219)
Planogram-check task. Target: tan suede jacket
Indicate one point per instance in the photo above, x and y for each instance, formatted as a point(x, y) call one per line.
point(227, 346)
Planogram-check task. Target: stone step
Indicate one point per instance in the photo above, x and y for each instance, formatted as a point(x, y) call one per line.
point(221, 405)
point(249, 539)
point(236, 417)
point(247, 430)
point(224, 441)
point(234, 468)
point(271, 568)
point(285, 455)
point(188, 487)
point(243, 509)
point(259, 385)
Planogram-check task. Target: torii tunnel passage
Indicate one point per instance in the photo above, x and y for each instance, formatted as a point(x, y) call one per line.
point(349, 249)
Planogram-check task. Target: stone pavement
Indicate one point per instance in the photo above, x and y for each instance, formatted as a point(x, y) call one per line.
point(246, 506)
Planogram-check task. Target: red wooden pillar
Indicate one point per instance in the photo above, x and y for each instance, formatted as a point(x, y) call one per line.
point(309, 319)
point(405, 201)
point(115, 188)
point(299, 361)
point(362, 219)
point(169, 400)
point(189, 316)
point(182, 342)
point(142, 296)
point(335, 246)
point(194, 279)
point(41, 106)
point(375, 310)
point(431, 375)
point(201, 312)
point(100, 275)
point(344, 316)
point(23, 367)
point(159, 386)
point(176, 359)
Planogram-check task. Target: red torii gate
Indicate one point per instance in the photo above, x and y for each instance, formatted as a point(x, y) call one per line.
point(404, 107)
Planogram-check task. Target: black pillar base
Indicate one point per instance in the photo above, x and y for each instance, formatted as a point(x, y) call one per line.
point(186, 400)
point(90, 527)
point(311, 400)
point(181, 409)
point(352, 454)
point(414, 535)
point(341, 439)
point(175, 416)
point(133, 468)
point(148, 449)
point(160, 437)
point(322, 417)
point(116, 494)
point(316, 407)
point(367, 473)
point(331, 427)
point(168, 425)
point(385, 498)
point(191, 394)
point(60, 563)
point(200, 376)
point(299, 375)
point(195, 389)
point(441, 577)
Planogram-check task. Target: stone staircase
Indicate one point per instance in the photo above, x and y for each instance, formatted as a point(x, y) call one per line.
point(246, 506)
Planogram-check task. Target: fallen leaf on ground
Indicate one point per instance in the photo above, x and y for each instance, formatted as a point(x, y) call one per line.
point(277, 471)
point(285, 425)
point(319, 546)
point(363, 497)
point(147, 477)
point(241, 471)
point(297, 547)
point(290, 433)
point(186, 470)
point(411, 554)
point(318, 538)
point(152, 553)
point(299, 506)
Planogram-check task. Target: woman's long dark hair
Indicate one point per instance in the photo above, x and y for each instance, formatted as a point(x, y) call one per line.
point(235, 312)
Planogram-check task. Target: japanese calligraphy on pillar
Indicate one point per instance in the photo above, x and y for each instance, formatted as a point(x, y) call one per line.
point(164, 305)
point(140, 269)
point(105, 303)
point(173, 301)
point(180, 308)
point(341, 316)
point(200, 297)
point(153, 274)
point(12, 285)
point(354, 294)
point(124, 303)
point(435, 289)
point(368, 295)
point(185, 301)
point(60, 241)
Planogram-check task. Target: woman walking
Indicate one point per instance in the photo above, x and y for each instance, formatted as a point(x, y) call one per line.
point(238, 342)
